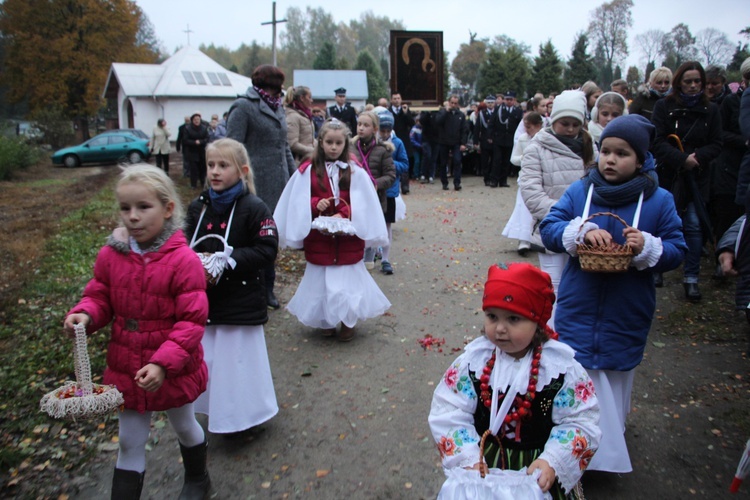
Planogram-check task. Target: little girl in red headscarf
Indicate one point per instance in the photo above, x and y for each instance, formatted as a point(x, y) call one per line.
point(520, 384)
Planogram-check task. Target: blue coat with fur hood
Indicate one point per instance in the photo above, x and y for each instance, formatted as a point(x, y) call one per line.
point(606, 317)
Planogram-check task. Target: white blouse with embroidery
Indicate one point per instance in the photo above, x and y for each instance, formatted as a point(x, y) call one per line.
point(575, 410)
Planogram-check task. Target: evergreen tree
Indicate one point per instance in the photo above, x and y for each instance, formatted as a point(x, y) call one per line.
point(633, 79)
point(580, 65)
point(603, 71)
point(618, 73)
point(503, 71)
point(253, 59)
point(491, 73)
point(547, 71)
point(342, 63)
point(376, 87)
point(326, 58)
point(741, 53)
point(733, 68)
point(649, 68)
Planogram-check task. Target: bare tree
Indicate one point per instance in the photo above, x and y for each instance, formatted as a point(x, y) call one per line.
point(714, 46)
point(679, 46)
point(608, 29)
point(650, 44)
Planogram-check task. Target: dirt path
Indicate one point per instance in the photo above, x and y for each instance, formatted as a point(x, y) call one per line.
point(353, 418)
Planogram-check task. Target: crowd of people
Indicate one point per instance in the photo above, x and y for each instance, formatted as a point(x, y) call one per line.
point(672, 161)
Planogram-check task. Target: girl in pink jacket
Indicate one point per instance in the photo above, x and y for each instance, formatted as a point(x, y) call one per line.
point(151, 286)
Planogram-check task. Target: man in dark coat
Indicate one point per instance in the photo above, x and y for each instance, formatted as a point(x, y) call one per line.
point(453, 133)
point(403, 122)
point(344, 111)
point(505, 121)
point(483, 136)
point(178, 147)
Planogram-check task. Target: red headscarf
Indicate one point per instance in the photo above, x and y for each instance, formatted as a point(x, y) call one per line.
point(521, 288)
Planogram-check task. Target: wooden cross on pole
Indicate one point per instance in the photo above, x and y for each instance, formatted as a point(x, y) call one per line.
point(188, 31)
point(274, 22)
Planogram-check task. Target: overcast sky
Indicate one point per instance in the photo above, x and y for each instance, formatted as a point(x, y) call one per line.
point(229, 23)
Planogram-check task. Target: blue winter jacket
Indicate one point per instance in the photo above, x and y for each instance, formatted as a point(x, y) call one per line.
point(606, 317)
point(401, 162)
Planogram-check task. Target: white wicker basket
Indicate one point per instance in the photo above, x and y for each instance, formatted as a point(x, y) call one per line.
point(82, 398)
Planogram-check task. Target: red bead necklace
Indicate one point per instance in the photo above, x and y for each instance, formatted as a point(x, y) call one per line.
point(521, 407)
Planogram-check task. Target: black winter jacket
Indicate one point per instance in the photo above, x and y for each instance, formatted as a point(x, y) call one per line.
point(727, 165)
point(239, 298)
point(699, 129)
point(190, 148)
point(453, 127)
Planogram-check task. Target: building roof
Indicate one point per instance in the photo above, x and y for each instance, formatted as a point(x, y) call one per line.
point(323, 82)
point(188, 73)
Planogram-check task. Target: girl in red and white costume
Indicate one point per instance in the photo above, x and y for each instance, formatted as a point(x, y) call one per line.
point(336, 287)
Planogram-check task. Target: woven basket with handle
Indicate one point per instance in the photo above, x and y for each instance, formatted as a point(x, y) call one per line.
point(82, 398)
point(213, 263)
point(600, 259)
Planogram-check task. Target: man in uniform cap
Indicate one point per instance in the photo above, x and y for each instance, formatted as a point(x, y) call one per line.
point(505, 121)
point(343, 110)
point(483, 131)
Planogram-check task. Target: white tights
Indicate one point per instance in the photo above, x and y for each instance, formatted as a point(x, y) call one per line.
point(135, 428)
point(385, 250)
point(553, 264)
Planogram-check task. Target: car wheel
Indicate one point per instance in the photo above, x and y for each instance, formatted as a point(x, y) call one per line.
point(135, 157)
point(71, 161)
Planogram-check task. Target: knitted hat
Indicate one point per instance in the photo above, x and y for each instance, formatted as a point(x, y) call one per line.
point(635, 130)
point(386, 120)
point(521, 288)
point(569, 103)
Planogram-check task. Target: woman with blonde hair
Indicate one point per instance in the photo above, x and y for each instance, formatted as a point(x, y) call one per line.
point(658, 86)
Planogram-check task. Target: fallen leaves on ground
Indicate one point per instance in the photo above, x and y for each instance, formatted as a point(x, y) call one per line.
point(428, 342)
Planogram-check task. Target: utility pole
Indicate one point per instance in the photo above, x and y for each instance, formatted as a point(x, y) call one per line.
point(274, 22)
point(188, 31)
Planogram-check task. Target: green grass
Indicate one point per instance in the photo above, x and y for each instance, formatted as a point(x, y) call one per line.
point(36, 356)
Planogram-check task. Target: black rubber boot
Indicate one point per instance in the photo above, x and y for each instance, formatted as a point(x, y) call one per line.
point(127, 484)
point(197, 481)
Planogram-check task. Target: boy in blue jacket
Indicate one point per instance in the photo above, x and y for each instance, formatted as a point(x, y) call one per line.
point(606, 317)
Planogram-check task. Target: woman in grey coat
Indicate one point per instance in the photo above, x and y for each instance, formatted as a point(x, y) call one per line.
point(258, 121)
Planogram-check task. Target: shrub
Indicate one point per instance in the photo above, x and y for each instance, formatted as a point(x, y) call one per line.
point(16, 154)
point(57, 129)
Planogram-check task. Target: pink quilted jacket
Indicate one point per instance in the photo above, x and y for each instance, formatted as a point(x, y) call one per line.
point(159, 307)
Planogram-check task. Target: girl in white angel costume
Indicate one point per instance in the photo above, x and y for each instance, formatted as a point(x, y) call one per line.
point(336, 287)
